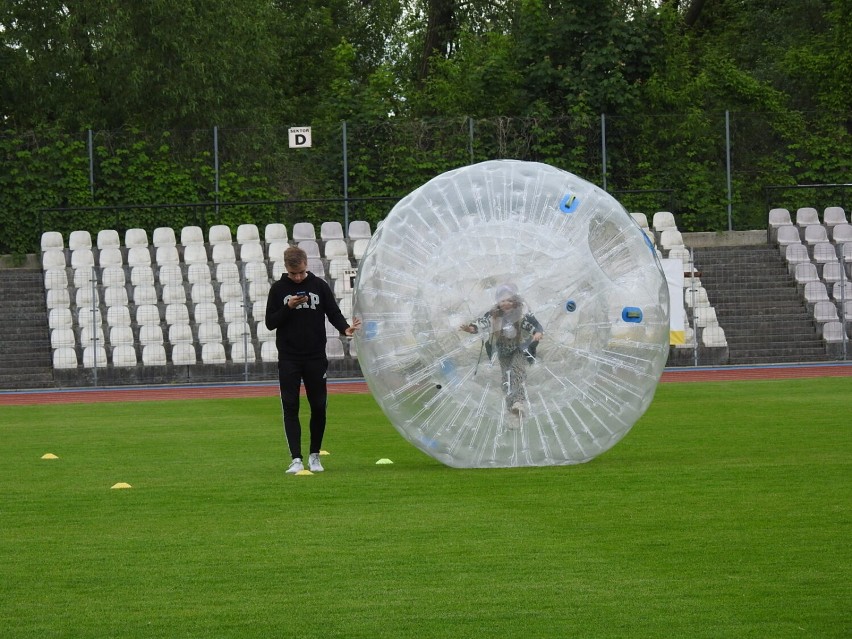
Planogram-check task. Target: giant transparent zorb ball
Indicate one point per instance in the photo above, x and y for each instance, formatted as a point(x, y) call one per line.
point(583, 268)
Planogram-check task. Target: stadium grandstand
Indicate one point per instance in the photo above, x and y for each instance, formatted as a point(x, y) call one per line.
point(177, 305)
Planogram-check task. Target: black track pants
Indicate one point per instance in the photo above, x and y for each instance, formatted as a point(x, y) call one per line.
point(291, 374)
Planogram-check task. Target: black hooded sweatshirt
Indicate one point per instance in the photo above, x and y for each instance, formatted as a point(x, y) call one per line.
point(300, 332)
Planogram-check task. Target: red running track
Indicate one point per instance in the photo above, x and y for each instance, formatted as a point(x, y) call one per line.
point(162, 393)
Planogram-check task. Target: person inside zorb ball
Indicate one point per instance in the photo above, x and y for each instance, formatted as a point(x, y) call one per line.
point(513, 314)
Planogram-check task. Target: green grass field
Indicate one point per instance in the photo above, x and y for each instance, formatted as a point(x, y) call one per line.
point(724, 513)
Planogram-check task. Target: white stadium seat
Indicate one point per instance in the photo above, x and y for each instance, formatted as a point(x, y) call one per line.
point(248, 234)
point(90, 335)
point(209, 332)
point(303, 231)
point(164, 236)
point(251, 253)
point(136, 238)
point(170, 274)
point(53, 258)
point(118, 316)
point(205, 312)
point(242, 352)
point(124, 356)
point(227, 272)
point(331, 231)
point(120, 335)
point(115, 296)
point(275, 232)
point(150, 334)
point(180, 334)
point(110, 256)
point(256, 271)
point(275, 250)
point(191, 236)
point(55, 278)
point(142, 274)
point(223, 253)
point(195, 254)
point(177, 314)
point(237, 330)
point(79, 240)
point(82, 258)
point(183, 354)
point(806, 216)
point(61, 337)
point(167, 255)
point(198, 273)
point(52, 240)
point(230, 291)
point(113, 276)
point(144, 294)
point(202, 292)
point(213, 353)
point(233, 311)
point(154, 355)
point(139, 256)
point(336, 248)
point(174, 294)
point(663, 220)
point(108, 238)
point(58, 298)
point(360, 230)
point(268, 352)
point(65, 357)
point(94, 357)
point(219, 234)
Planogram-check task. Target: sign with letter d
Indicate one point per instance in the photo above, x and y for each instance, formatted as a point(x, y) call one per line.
point(300, 137)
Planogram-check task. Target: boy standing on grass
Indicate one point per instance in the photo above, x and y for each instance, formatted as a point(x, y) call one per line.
point(296, 309)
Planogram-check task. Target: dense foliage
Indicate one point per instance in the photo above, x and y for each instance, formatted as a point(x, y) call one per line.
point(108, 103)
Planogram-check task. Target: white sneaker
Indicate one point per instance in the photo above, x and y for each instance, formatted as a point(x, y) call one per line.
point(314, 463)
point(295, 466)
point(518, 408)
